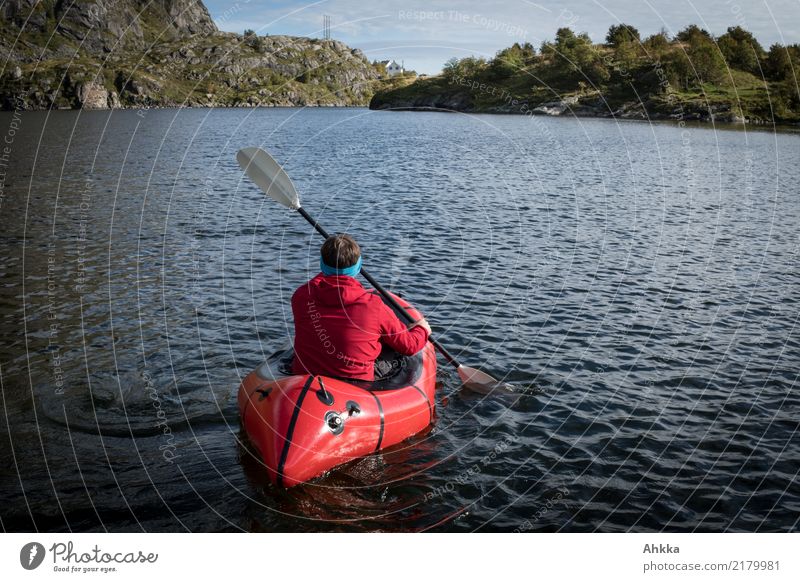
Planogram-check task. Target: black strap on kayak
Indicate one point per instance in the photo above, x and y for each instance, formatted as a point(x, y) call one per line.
point(380, 412)
point(427, 401)
point(290, 430)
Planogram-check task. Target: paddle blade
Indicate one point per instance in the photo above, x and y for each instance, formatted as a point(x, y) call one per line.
point(481, 382)
point(268, 175)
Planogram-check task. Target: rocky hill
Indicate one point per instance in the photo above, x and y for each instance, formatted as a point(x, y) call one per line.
point(100, 54)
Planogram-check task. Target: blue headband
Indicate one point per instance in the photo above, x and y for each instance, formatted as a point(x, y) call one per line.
point(349, 271)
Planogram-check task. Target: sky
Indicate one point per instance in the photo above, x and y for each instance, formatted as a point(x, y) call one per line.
point(425, 34)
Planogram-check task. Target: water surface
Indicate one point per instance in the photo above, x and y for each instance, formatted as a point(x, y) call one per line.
point(637, 282)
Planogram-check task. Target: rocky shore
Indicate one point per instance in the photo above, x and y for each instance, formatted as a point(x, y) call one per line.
point(577, 105)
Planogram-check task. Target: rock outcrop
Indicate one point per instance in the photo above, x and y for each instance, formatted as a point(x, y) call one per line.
point(99, 54)
point(102, 26)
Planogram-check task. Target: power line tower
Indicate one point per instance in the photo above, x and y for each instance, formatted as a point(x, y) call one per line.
point(326, 26)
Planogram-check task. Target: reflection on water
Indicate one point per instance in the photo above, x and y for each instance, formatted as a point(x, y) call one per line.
point(637, 284)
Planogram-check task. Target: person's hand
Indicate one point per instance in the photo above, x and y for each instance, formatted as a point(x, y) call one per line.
point(423, 323)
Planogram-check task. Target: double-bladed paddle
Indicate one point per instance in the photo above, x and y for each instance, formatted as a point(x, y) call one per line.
point(268, 175)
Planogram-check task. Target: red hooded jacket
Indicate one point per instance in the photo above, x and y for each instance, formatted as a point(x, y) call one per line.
point(339, 327)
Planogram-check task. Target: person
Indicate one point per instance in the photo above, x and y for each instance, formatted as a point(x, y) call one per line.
point(340, 327)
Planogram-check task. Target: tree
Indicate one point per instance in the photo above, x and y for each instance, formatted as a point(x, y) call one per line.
point(692, 33)
point(627, 45)
point(471, 66)
point(741, 50)
point(572, 58)
point(678, 69)
point(450, 69)
point(657, 43)
point(699, 62)
point(467, 67)
point(706, 61)
point(565, 36)
point(778, 63)
point(626, 55)
point(528, 51)
point(510, 61)
point(619, 34)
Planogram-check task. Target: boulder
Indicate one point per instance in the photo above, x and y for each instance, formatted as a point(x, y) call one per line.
point(557, 107)
point(92, 96)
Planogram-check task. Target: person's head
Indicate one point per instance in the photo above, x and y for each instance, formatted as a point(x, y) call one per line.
point(340, 252)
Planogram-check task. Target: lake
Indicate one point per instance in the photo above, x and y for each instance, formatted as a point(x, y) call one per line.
point(638, 283)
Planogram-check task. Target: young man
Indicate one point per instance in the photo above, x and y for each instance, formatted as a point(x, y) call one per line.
point(339, 326)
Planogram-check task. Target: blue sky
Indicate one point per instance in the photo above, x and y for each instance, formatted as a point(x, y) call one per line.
point(424, 34)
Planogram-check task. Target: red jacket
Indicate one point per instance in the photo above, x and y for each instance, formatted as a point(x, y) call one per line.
point(339, 327)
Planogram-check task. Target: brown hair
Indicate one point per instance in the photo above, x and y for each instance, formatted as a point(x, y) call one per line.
point(340, 251)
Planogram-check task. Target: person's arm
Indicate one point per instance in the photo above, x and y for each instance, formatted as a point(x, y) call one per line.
point(405, 340)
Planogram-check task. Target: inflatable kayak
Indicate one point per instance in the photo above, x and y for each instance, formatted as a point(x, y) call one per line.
point(304, 425)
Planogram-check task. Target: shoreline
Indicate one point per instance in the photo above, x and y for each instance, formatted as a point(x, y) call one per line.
point(663, 120)
point(784, 128)
point(178, 106)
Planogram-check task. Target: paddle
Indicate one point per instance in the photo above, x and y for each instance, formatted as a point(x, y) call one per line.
point(268, 175)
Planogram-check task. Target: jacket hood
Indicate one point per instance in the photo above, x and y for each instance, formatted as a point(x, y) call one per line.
point(337, 290)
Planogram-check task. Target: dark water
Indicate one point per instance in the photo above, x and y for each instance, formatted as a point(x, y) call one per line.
point(638, 283)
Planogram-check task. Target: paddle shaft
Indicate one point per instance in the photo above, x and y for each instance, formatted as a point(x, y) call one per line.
point(379, 288)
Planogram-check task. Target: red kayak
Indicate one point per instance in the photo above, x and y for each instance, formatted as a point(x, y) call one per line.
point(303, 426)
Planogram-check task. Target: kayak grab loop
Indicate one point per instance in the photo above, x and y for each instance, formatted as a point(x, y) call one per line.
point(336, 420)
point(324, 396)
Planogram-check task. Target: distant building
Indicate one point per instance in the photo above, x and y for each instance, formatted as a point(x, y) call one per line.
point(393, 67)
